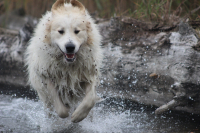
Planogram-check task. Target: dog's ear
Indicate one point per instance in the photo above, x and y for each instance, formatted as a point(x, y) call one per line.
point(57, 4)
point(78, 4)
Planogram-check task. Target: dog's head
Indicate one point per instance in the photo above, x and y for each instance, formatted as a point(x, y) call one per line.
point(68, 29)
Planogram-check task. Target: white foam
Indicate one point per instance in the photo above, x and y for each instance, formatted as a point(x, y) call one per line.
point(28, 116)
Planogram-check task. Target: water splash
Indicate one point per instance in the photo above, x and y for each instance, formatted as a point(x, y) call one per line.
point(112, 115)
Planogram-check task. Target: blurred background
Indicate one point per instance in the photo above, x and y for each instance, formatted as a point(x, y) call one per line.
point(152, 10)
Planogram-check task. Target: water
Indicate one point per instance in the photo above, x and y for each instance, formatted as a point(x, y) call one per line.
point(26, 114)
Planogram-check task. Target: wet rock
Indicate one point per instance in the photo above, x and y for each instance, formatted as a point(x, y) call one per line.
point(144, 67)
point(12, 48)
point(16, 22)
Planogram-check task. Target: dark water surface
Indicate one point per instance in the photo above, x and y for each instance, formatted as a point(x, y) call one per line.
point(20, 111)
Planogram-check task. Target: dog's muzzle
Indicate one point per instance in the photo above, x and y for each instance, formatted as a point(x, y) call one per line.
point(70, 57)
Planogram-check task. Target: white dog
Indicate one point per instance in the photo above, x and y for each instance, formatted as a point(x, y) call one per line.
point(64, 58)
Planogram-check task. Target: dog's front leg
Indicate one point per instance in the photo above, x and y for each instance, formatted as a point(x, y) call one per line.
point(86, 105)
point(60, 108)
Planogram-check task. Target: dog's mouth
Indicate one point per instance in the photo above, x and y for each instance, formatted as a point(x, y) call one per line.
point(70, 57)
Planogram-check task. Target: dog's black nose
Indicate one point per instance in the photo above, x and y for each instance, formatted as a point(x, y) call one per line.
point(70, 47)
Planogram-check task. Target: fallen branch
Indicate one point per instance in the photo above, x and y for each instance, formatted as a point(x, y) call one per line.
point(173, 103)
point(7, 31)
point(150, 26)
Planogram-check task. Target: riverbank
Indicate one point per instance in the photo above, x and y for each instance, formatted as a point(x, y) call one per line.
point(150, 64)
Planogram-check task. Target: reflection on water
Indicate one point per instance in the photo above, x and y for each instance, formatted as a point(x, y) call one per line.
point(111, 115)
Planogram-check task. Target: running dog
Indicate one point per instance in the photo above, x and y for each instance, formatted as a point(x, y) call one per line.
point(63, 60)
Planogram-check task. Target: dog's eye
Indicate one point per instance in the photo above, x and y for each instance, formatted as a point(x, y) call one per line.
point(61, 31)
point(76, 31)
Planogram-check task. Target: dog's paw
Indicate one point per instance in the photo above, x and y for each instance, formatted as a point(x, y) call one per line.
point(79, 115)
point(63, 113)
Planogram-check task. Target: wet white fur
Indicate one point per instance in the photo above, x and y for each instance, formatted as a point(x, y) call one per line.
point(46, 63)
